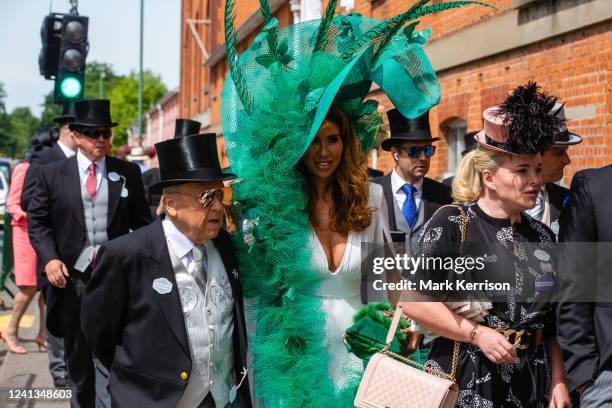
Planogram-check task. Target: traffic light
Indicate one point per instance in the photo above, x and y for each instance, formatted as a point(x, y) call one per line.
point(70, 77)
point(48, 59)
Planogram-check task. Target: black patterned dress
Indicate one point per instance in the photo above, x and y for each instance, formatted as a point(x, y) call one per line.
point(519, 249)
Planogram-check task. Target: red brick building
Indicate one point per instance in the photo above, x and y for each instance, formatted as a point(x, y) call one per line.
point(479, 55)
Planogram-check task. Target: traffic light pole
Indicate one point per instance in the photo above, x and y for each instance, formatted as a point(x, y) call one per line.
point(140, 75)
point(75, 7)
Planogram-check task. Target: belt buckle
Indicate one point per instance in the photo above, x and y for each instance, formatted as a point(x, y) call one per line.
point(516, 342)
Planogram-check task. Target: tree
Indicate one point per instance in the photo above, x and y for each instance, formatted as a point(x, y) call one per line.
point(93, 75)
point(5, 122)
point(50, 110)
point(124, 101)
point(16, 128)
point(23, 126)
point(120, 89)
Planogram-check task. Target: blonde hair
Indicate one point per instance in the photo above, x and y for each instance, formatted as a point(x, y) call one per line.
point(467, 185)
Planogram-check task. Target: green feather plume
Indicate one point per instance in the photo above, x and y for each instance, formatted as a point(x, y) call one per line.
point(330, 11)
point(231, 47)
point(394, 28)
point(394, 24)
point(272, 34)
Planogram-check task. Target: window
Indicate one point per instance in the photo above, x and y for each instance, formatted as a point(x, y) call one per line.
point(455, 132)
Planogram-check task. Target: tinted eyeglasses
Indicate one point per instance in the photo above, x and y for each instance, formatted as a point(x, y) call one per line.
point(96, 133)
point(415, 151)
point(207, 197)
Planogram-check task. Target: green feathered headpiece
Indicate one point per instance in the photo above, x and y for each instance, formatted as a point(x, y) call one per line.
point(274, 100)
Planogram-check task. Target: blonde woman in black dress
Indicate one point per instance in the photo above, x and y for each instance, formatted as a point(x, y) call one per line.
point(494, 185)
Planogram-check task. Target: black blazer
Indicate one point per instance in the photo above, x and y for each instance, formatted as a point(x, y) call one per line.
point(37, 159)
point(149, 178)
point(139, 334)
point(435, 195)
point(556, 198)
point(583, 329)
point(55, 215)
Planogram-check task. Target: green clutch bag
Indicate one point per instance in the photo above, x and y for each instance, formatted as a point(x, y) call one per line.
point(368, 333)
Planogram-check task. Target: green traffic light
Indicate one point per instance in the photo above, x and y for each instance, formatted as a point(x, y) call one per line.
point(70, 87)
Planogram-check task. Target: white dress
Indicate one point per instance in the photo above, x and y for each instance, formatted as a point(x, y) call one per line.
point(340, 294)
point(340, 291)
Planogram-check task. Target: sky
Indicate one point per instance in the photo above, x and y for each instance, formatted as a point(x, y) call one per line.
point(113, 38)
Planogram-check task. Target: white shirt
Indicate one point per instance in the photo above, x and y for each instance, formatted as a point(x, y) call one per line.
point(397, 182)
point(537, 212)
point(181, 245)
point(68, 152)
point(84, 162)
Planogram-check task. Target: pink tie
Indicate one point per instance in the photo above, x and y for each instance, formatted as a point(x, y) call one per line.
point(90, 184)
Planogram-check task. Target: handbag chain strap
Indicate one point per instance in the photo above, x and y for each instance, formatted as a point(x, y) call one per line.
point(398, 313)
point(438, 373)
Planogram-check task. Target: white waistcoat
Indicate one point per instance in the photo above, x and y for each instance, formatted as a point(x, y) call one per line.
point(210, 325)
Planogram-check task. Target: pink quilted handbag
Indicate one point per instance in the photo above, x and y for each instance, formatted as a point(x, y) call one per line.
point(390, 383)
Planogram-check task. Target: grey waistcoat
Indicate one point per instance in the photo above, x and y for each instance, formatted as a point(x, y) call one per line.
point(95, 213)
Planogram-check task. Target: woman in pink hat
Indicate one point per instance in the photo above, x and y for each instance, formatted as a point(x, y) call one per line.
point(508, 355)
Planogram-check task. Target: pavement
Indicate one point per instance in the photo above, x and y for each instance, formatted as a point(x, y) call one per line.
point(24, 371)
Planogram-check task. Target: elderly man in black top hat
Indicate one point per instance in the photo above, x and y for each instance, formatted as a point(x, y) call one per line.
point(163, 309)
point(411, 197)
point(553, 197)
point(182, 127)
point(78, 204)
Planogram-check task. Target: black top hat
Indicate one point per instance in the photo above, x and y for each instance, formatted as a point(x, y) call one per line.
point(564, 137)
point(186, 127)
point(67, 115)
point(407, 130)
point(92, 113)
point(189, 159)
point(469, 142)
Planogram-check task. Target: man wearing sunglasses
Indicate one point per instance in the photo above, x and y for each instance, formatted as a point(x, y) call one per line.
point(78, 204)
point(163, 309)
point(411, 197)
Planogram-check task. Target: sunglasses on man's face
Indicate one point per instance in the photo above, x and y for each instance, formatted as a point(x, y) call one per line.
point(208, 197)
point(415, 151)
point(96, 133)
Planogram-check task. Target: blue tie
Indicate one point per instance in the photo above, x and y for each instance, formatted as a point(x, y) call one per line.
point(409, 208)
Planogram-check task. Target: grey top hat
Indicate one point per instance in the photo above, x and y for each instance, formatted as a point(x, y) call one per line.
point(565, 137)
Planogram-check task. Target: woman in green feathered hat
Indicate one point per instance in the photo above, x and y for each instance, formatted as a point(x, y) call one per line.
point(297, 130)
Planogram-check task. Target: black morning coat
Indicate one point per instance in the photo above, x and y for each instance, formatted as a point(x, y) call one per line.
point(139, 333)
point(584, 330)
point(37, 159)
point(56, 223)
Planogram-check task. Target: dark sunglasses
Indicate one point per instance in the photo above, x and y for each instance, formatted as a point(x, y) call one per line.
point(415, 151)
point(96, 133)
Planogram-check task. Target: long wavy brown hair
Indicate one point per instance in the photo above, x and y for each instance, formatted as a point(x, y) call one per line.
point(349, 185)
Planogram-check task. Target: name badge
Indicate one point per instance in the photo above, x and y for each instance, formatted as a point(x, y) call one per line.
point(162, 286)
